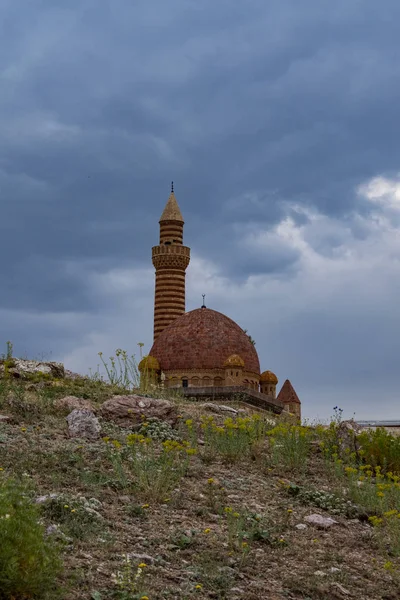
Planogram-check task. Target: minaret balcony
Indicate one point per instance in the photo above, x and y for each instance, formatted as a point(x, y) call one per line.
point(171, 256)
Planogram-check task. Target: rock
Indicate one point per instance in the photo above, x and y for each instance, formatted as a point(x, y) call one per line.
point(334, 570)
point(341, 588)
point(218, 408)
point(347, 433)
point(140, 557)
point(320, 521)
point(21, 368)
point(301, 526)
point(43, 499)
point(70, 403)
point(71, 375)
point(83, 424)
point(319, 573)
point(5, 419)
point(125, 499)
point(127, 411)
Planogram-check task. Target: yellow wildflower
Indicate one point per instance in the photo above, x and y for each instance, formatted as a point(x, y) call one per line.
point(198, 586)
point(207, 530)
point(142, 565)
point(145, 505)
point(210, 481)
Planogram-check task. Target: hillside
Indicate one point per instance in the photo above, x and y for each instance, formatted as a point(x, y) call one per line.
point(216, 507)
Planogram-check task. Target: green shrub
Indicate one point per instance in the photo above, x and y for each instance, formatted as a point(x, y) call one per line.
point(158, 430)
point(29, 561)
point(380, 449)
point(235, 440)
point(150, 470)
point(290, 446)
point(77, 516)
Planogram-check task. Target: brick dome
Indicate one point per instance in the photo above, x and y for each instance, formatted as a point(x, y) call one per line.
point(203, 339)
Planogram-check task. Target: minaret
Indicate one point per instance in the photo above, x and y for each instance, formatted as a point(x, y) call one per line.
point(170, 259)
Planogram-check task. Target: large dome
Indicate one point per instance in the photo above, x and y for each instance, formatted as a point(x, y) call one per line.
point(203, 339)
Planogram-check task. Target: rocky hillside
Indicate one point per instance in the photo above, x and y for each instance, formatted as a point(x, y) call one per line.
point(130, 497)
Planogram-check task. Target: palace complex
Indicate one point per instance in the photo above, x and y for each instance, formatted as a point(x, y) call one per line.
point(202, 351)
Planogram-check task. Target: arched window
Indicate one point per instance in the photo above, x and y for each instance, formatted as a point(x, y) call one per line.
point(185, 382)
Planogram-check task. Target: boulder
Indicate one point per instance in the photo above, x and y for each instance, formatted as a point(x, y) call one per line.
point(70, 403)
point(21, 368)
point(320, 521)
point(83, 424)
point(347, 433)
point(218, 408)
point(128, 411)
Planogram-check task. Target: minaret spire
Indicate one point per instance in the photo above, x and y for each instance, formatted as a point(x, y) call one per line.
point(170, 259)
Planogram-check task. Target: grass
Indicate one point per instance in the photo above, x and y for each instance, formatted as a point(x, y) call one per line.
point(210, 506)
point(29, 561)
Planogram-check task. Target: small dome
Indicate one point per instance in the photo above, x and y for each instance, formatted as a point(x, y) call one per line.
point(268, 377)
point(149, 363)
point(234, 361)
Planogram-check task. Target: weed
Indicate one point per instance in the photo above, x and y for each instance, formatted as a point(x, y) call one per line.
point(150, 470)
point(233, 440)
point(289, 446)
point(158, 430)
point(78, 517)
point(29, 561)
point(380, 449)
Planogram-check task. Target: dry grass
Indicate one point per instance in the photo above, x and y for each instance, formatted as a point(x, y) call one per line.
point(226, 530)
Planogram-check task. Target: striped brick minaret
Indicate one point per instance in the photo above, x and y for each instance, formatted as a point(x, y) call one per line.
point(170, 259)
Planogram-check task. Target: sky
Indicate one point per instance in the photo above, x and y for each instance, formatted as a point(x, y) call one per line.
point(278, 122)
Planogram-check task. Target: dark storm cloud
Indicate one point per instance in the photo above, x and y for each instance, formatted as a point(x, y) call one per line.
point(251, 108)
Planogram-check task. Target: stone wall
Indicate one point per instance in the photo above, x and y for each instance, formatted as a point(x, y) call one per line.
point(232, 393)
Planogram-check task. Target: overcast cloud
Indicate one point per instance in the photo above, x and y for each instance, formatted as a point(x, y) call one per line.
point(278, 122)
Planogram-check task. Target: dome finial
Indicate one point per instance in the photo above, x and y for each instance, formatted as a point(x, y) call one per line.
point(203, 305)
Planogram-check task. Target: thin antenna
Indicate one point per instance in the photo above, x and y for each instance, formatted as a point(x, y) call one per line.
point(172, 187)
point(203, 305)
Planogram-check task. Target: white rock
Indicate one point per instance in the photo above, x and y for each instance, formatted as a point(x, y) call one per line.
point(319, 573)
point(83, 424)
point(301, 526)
point(320, 521)
point(140, 557)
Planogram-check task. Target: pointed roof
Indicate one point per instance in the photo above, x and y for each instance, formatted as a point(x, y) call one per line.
point(287, 394)
point(172, 211)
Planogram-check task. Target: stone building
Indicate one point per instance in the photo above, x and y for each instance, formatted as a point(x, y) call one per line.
point(202, 351)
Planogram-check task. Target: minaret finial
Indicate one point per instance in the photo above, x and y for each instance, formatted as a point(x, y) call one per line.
point(172, 187)
point(203, 305)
